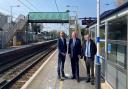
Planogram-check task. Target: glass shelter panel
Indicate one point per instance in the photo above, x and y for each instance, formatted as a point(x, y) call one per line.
point(117, 52)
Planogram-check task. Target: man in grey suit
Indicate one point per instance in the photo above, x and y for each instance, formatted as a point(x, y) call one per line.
point(74, 51)
point(62, 50)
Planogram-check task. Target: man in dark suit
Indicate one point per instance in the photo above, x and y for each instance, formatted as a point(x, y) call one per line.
point(62, 50)
point(74, 51)
point(89, 52)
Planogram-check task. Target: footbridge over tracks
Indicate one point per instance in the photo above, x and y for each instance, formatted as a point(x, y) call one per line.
point(48, 17)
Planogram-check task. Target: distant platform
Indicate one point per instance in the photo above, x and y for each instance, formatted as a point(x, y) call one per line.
point(13, 48)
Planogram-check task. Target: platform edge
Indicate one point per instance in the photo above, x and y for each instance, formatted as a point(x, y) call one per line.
point(37, 72)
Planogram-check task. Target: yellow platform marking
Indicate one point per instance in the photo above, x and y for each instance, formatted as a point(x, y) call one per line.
point(61, 85)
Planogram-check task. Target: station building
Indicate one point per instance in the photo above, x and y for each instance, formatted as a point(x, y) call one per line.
point(114, 46)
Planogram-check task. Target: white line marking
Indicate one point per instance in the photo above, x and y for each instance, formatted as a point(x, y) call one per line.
point(37, 72)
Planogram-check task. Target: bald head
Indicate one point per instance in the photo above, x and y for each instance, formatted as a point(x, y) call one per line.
point(74, 35)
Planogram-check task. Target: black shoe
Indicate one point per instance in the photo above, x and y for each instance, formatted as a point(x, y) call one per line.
point(92, 82)
point(73, 77)
point(60, 79)
point(88, 80)
point(78, 80)
point(63, 76)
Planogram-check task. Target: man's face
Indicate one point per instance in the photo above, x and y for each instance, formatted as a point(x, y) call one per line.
point(74, 35)
point(61, 34)
point(88, 37)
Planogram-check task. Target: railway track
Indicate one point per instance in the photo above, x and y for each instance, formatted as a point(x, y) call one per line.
point(16, 76)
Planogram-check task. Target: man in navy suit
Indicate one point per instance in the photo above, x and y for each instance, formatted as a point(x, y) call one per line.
point(62, 50)
point(74, 51)
point(89, 51)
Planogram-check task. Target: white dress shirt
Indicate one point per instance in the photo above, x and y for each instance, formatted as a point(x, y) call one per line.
point(87, 51)
point(74, 41)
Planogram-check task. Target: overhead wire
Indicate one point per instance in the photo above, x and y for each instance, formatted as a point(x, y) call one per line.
point(56, 5)
point(25, 5)
point(57, 10)
point(32, 5)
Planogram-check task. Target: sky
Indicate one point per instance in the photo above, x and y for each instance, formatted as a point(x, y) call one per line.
point(86, 8)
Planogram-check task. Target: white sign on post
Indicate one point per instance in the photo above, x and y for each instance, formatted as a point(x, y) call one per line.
point(109, 48)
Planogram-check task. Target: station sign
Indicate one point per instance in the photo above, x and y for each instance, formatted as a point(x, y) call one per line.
point(109, 48)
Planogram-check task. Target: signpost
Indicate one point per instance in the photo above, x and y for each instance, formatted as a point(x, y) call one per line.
point(98, 64)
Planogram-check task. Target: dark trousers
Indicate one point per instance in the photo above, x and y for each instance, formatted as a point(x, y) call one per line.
point(60, 68)
point(75, 67)
point(89, 66)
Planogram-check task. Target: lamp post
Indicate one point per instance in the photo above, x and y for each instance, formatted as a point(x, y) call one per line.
point(77, 10)
point(11, 7)
point(76, 14)
point(98, 65)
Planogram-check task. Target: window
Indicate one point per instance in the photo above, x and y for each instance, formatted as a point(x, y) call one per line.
point(117, 29)
point(121, 55)
point(113, 54)
point(102, 31)
point(102, 49)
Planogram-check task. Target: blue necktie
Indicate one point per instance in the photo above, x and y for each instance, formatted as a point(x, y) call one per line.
point(74, 42)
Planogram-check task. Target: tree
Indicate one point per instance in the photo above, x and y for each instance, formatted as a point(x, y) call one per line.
point(84, 31)
point(53, 34)
point(36, 28)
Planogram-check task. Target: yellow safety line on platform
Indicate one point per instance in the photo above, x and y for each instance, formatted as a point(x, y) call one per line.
point(61, 85)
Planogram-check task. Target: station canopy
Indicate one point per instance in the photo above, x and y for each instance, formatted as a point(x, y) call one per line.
point(48, 17)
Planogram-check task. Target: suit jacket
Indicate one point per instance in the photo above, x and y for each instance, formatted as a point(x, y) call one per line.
point(62, 46)
point(76, 49)
point(93, 48)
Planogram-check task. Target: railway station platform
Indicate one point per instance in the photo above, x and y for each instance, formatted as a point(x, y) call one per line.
point(13, 48)
point(46, 76)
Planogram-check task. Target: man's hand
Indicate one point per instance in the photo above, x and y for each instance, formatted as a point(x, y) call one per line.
point(79, 56)
point(63, 54)
point(69, 55)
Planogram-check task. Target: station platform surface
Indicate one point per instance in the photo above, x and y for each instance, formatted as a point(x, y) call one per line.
point(46, 76)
